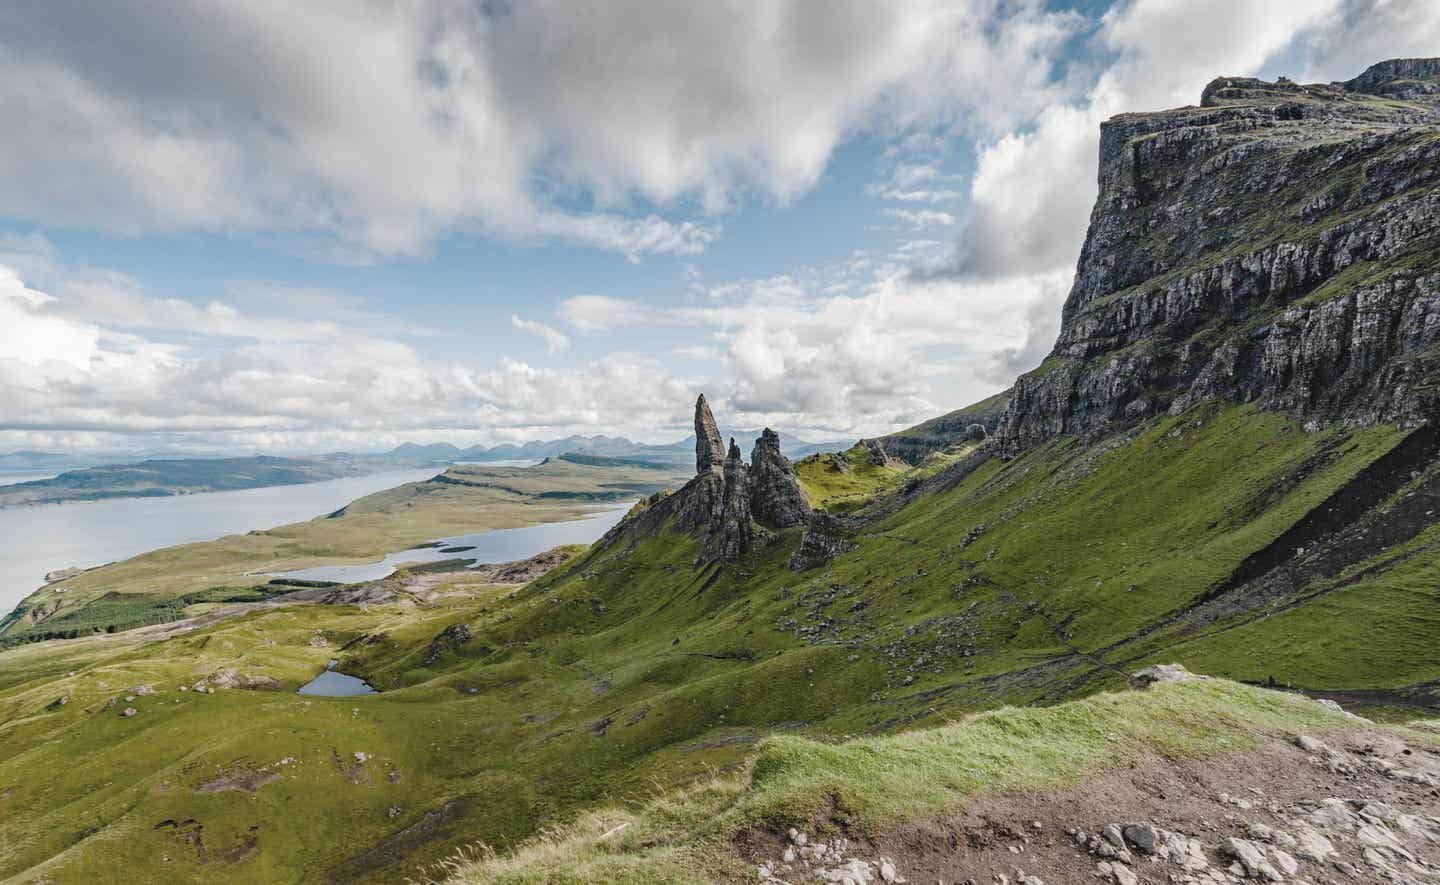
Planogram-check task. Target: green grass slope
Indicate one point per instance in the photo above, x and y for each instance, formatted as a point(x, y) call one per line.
point(1029, 581)
point(845, 480)
point(865, 784)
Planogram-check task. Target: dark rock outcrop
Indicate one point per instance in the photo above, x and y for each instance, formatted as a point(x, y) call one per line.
point(824, 539)
point(446, 642)
point(709, 447)
point(730, 536)
point(1279, 244)
point(875, 451)
point(776, 499)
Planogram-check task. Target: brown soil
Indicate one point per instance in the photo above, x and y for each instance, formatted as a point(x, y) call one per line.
point(991, 836)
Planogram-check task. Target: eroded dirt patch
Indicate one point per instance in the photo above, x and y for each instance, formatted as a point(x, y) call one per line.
point(242, 780)
point(1362, 806)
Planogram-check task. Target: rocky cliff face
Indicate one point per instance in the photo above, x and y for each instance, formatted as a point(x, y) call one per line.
point(1279, 243)
point(970, 424)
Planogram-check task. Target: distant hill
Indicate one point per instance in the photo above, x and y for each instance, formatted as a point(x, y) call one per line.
point(159, 478)
point(95, 477)
point(604, 461)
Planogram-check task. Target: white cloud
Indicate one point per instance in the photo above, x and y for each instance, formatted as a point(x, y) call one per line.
point(591, 314)
point(62, 378)
point(921, 219)
point(356, 129)
point(555, 340)
point(388, 125)
point(1361, 32)
point(36, 341)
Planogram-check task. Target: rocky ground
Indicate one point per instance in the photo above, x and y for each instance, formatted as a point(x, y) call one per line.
point(1361, 806)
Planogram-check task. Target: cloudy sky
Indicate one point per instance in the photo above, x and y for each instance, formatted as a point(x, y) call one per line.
point(348, 223)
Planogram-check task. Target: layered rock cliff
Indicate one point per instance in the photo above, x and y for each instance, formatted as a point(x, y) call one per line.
point(1280, 243)
point(914, 444)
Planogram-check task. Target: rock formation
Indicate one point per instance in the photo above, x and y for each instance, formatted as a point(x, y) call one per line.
point(709, 447)
point(729, 536)
point(1278, 244)
point(776, 499)
point(824, 539)
point(725, 499)
point(875, 451)
point(914, 444)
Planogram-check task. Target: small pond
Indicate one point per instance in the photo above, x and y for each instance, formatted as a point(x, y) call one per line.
point(334, 684)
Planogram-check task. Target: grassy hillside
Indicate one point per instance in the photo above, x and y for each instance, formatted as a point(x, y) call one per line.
point(1029, 581)
point(845, 480)
point(865, 785)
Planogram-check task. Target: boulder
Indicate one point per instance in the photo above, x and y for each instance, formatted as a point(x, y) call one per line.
point(1147, 677)
point(1142, 837)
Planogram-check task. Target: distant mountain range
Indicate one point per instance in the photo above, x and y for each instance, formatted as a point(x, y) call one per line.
point(680, 452)
point(161, 478)
point(89, 478)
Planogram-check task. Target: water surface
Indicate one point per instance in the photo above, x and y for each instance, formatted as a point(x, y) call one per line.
point(36, 540)
point(334, 684)
point(498, 545)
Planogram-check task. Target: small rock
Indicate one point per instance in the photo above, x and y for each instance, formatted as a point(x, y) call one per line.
point(128, 712)
point(1287, 864)
point(1123, 875)
point(1142, 836)
point(1251, 859)
point(1311, 845)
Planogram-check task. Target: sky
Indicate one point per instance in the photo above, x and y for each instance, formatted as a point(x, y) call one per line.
point(290, 227)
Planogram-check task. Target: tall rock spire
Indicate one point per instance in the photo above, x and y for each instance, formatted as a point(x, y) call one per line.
point(727, 537)
point(776, 499)
point(709, 447)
